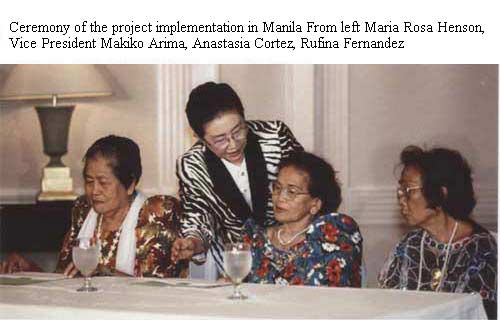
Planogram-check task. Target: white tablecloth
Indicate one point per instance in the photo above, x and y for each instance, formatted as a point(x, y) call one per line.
point(132, 299)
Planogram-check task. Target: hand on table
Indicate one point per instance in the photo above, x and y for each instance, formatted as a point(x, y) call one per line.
point(185, 248)
point(71, 271)
point(17, 263)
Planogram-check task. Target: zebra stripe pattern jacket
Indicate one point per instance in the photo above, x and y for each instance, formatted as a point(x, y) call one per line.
point(214, 210)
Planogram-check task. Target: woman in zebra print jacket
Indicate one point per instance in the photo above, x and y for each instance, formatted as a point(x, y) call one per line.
point(225, 177)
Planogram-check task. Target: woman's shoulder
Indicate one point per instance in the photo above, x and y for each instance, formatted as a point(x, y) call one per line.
point(194, 154)
point(162, 201)
point(332, 225)
point(81, 202)
point(266, 126)
point(482, 242)
point(339, 220)
point(160, 209)
point(81, 207)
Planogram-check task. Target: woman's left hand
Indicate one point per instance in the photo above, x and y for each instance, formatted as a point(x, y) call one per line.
point(17, 263)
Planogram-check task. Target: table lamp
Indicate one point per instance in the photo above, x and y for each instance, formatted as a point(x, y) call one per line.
point(52, 83)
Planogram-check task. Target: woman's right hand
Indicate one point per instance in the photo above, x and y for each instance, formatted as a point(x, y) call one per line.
point(71, 271)
point(185, 248)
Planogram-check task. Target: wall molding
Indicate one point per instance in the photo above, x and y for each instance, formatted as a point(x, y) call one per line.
point(298, 102)
point(378, 206)
point(332, 121)
point(174, 136)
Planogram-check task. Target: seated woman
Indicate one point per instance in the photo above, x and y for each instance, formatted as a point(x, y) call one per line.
point(136, 233)
point(448, 251)
point(311, 244)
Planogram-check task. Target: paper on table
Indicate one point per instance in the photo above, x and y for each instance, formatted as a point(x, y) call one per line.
point(181, 284)
point(23, 281)
point(35, 275)
point(27, 278)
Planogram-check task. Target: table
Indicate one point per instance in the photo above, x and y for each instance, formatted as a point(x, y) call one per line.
point(136, 298)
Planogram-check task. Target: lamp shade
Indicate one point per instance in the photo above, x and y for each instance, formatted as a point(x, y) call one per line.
point(44, 82)
point(54, 82)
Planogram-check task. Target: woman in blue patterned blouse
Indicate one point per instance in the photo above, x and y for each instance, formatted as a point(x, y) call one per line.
point(447, 251)
point(311, 244)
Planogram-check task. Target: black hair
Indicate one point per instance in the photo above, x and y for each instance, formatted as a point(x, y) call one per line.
point(209, 100)
point(123, 155)
point(441, 167)
point(323, 183)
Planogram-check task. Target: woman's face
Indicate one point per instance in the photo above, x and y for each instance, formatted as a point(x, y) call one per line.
point(291, 199)
point(411, 198)
point(226, 136)
point(105, 192)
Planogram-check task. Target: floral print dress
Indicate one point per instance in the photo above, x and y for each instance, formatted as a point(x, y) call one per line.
point(329, 256)
point(157, 228)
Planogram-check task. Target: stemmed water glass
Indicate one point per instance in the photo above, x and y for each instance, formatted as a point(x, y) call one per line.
point(86, 257)
point(237, 263)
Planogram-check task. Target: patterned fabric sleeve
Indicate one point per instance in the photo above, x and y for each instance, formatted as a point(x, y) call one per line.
point(338, 240)
point(79, 212)
point(156, 229)
point(481, 273)
point(390, 275)
point(288, 142)
point(196, 220)
point(253, 235)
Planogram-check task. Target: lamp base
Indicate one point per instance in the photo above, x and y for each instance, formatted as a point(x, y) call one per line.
point(57, 184)
point(57, 196)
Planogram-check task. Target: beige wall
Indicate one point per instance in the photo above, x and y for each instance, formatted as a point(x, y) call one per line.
point(393, 106)
point(276, 92)
point(131, 112)
point(359, 117)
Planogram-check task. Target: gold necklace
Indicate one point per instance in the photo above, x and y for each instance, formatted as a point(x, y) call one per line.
point(437, 275)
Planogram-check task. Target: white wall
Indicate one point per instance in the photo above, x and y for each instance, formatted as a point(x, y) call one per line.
point(276, 92)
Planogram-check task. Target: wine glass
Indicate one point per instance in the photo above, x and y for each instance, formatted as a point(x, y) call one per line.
point(86, 257)
point(237, 263)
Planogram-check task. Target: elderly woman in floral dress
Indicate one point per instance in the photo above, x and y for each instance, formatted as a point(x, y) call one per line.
point(311, 244)
point(135, 232)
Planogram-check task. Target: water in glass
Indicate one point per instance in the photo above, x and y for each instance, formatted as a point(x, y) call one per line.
point(237, 263)
point(86, 258)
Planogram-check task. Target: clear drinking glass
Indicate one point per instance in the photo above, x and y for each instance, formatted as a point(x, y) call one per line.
point(86, 257)
point(237, 263)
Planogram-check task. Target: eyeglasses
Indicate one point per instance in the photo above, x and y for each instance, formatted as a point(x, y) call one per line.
point(289, 193)
point(406, 191)
point(238, 135)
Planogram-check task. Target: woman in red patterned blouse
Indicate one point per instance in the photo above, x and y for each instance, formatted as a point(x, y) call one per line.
point(136, 233)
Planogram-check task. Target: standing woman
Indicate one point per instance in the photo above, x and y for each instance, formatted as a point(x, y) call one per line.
point(224, 178)
point(448, 251)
